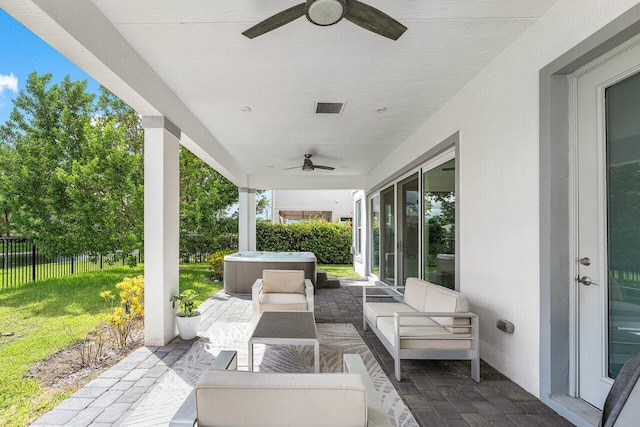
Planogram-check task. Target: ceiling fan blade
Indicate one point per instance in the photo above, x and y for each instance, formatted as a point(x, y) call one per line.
point(295, 167)
point(374, 20)
point(275, 21)
point(329, 168)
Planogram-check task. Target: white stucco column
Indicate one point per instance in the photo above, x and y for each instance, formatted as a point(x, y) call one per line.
point(161, 228)
point(247, 219)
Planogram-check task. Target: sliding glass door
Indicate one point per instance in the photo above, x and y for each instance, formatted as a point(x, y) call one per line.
point(409, 226)
point(439, 196)
point(375, 236)
point(412, 232)
point(388, 236)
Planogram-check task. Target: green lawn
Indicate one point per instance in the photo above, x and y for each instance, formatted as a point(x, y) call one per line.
point(339, 270)
point(44, 316)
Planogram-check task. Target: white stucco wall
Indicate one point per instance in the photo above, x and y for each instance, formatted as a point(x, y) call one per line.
point(497, 115)
point(339, 202)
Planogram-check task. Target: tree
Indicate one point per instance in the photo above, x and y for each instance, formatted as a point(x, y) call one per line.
point(205, 197)
point(263, 205)
point(76, 178)
point(72, 176)
point(6, 162)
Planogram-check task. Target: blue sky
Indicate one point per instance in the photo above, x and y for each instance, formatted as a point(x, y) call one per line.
point(21, 53)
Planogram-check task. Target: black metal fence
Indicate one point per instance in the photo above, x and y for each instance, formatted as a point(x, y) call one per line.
point(194, 258)
point(20, 262)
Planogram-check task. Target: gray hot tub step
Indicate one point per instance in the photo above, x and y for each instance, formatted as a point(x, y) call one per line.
point(321, 276)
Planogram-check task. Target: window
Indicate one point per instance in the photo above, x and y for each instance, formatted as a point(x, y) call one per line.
point(375, 235)
point(388, 236)
point(409, 233)
point(358, 228)
point(289, 217)
point(439, 241)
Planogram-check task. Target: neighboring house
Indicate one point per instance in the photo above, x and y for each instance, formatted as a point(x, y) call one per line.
point(295, 205)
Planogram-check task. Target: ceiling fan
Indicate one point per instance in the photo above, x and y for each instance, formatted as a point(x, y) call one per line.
point(329, 12)
point(309, 166)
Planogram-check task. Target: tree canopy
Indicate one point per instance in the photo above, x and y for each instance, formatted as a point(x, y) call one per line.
point(71, 176)
point(205, 196)
point(73, 167)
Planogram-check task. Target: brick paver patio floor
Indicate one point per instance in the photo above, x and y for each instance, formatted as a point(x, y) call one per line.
point(439, 393)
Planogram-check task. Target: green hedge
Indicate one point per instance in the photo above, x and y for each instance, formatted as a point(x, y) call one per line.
point(329, 241)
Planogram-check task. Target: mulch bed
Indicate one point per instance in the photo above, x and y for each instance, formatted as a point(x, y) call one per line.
point(72, 367)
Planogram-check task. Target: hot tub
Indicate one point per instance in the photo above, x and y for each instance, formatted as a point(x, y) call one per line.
point(243, 268)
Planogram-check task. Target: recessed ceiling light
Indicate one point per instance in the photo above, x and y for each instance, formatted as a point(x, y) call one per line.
point(245, 109)
point(381, 109)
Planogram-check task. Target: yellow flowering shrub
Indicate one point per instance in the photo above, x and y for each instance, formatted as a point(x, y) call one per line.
point(216, 260)
point(129, 307)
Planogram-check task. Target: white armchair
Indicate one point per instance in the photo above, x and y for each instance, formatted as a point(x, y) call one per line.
point(225, 396)
point(281, 290)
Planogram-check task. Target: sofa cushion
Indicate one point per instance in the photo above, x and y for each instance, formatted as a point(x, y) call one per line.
point(283, 281)
point(437, 334)
point(277, 301)
point(240, 398)
point(440, 299)
point(373, 310)
point(415, 293)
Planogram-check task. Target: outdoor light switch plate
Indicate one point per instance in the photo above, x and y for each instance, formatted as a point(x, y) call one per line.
point(505, 326)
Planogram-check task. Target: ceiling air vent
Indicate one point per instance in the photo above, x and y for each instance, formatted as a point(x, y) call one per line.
point(329, 107)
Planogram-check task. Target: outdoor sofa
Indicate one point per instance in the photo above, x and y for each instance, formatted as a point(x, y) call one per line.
point(227, 397)
point(281, 290)
point(427, 322)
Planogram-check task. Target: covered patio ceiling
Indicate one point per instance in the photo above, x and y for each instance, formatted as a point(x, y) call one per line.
point(188, 61)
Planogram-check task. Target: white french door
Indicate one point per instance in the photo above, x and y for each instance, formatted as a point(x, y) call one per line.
point(607, 219)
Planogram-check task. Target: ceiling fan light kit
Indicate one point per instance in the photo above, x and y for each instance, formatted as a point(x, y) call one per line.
point(307, 165)
point(329, 12)
point(325, 12)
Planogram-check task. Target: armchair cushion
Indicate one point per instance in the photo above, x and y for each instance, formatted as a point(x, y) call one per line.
point(283, 281)
point(431, 330)
point(281, 290)
point(278, 301)
point(280, 400)
point(415, 293)
point(441, 299)
point(375, 310)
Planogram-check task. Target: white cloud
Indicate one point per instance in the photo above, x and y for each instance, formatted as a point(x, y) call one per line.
point(9, 82)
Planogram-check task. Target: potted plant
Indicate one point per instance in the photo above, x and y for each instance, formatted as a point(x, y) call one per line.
point(187, 318)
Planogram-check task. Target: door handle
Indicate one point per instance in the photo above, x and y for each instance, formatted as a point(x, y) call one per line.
point(585, 280)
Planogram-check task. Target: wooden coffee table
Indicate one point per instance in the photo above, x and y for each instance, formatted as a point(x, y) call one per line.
point(286, 328)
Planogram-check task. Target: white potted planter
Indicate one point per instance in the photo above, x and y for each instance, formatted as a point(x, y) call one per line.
point(188, 326)
point(187, 318)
